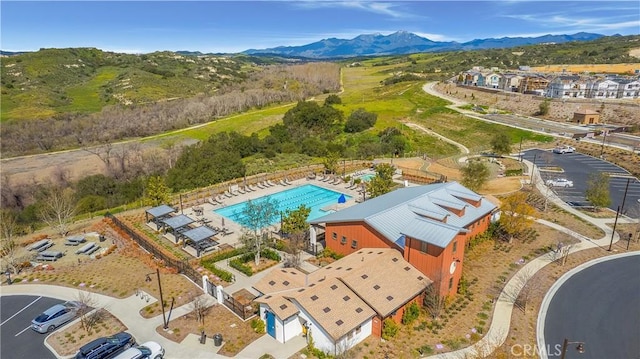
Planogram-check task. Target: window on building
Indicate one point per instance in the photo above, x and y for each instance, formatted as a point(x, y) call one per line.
point(344, 240)
point(423, 247)
point(358, 329)
point(334, 235)
point(450, 283)
point(354, 244)
point(455, 246)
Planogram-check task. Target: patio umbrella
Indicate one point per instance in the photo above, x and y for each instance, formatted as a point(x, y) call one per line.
point(342, 199)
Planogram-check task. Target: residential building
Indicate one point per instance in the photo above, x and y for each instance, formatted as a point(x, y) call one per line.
point(628, 88)
point(430, 225)
point(604, 89)
point(586, 117)
point(493, 80)
point(567, 87)
point(343, 303)
point(535, 84)
point(510, 82)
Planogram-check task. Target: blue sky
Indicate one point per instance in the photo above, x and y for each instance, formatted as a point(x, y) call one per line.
point(234, 26)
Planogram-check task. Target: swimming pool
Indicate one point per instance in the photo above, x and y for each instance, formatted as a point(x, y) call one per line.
point(310, 195)
point(367, 177)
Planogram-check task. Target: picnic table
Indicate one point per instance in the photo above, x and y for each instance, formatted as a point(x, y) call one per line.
point(41, 245)
point(74, 241)
point(87, 248)
point(49, 256)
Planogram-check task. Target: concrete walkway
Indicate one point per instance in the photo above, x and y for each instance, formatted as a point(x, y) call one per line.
point(501, 321)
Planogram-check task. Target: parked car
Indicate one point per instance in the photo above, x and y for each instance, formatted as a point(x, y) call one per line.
point(564, 149)
point(55, 316)
point(106, 347)
point(559, 182)
point(148, 350)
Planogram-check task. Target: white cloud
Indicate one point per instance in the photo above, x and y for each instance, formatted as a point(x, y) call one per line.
point(384, 8)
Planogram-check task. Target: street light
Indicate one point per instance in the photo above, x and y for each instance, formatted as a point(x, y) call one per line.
point(565, 344)
point(148, 279)
point(8, 274)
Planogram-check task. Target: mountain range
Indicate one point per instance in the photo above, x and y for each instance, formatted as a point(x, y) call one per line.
point(403, 42)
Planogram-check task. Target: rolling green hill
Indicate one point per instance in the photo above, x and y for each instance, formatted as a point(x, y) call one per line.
point(84, 80)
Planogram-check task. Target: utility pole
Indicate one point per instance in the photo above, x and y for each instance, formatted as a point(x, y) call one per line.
point(520, 151)
point(604, 137)
point(533, 167)
point(615, 223)
point(624, 198)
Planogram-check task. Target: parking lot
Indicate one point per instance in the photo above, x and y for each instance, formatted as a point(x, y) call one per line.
point(577, 168)
point(17, 338)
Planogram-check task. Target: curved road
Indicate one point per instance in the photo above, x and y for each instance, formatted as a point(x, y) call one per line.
point(599, 306)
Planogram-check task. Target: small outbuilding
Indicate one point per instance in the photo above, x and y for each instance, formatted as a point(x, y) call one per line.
point(586, 117)
point(200, 238)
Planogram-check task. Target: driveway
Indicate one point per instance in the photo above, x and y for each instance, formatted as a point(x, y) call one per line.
point(598, 306)
point(577, 168)
point(18, 339)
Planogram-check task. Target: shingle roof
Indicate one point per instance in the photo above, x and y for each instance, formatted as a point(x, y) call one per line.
point(279, 305)
point(419, 210)
point(334, 307)
point(279, 280)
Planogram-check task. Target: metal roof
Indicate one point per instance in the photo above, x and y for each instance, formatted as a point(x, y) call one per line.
point(178, 221)
point(199, 233)
point(418, 212)
point(160, 211)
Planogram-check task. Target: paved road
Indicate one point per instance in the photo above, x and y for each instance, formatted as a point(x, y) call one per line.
point(577, 168)
point(18, 340)
point(598, 306)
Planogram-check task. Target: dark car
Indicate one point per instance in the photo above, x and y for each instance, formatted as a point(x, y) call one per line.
point(106, 347)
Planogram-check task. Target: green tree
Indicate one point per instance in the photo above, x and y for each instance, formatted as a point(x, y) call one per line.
point(474, 175)
point(382, 182)
point(360, 120)
point(516, 215)
point(598, 190)
point(333, 100)
point(543, 108)
point(256, 216)
point(331, 162)
point(157, 192)
point(294, 227)
point(501, 144)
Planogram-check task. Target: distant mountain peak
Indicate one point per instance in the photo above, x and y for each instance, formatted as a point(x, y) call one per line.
point(405, 42)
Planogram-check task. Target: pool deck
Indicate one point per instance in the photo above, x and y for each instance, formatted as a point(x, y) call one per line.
point(215, 220)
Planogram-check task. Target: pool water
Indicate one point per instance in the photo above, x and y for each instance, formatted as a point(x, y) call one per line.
point(367, 177)
point(310, 195)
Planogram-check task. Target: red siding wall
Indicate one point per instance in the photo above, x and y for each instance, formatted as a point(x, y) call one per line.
point(365, 236)
point(435, 263)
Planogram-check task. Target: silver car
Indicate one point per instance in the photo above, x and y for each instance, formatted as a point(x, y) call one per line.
point(55, 316)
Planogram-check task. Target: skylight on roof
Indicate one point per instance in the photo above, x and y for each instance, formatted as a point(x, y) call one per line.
point(339, 322)
point(395, 259)
point(376, 287)
point(286, 282)
point(359, 310)
point(314, 297)
point(334, 287)
point(283, 307)
point(407, 268)
point(346, 298)
point(364, 276)
point(389, 298)
point(272, 283)
point(326, 309)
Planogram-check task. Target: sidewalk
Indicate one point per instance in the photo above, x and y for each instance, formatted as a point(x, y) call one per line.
point(501, 321)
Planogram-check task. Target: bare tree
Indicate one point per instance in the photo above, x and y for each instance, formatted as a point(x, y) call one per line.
point(58, 208)
point(89, 314)
point(518, 290)
point(8, 245)
point(199, 306)
point(434, 303)
point(562, 252)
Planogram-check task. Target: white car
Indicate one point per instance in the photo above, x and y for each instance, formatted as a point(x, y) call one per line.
point(559, 182)
point(148, 350)
point(564, 149)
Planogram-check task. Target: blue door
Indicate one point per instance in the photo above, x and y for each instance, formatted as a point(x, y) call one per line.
point(271, 324)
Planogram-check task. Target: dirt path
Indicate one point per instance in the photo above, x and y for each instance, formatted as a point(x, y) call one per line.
point(462, 147)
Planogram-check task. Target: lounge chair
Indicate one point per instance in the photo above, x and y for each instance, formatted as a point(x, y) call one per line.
point(241, 191)
point(327, 179)
point(270, 183)
point(247, 189)
point(282, 183)
point(260, 185)
point(252, 188)
point(212, 201)
point(286, 181)
point(227, 194)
